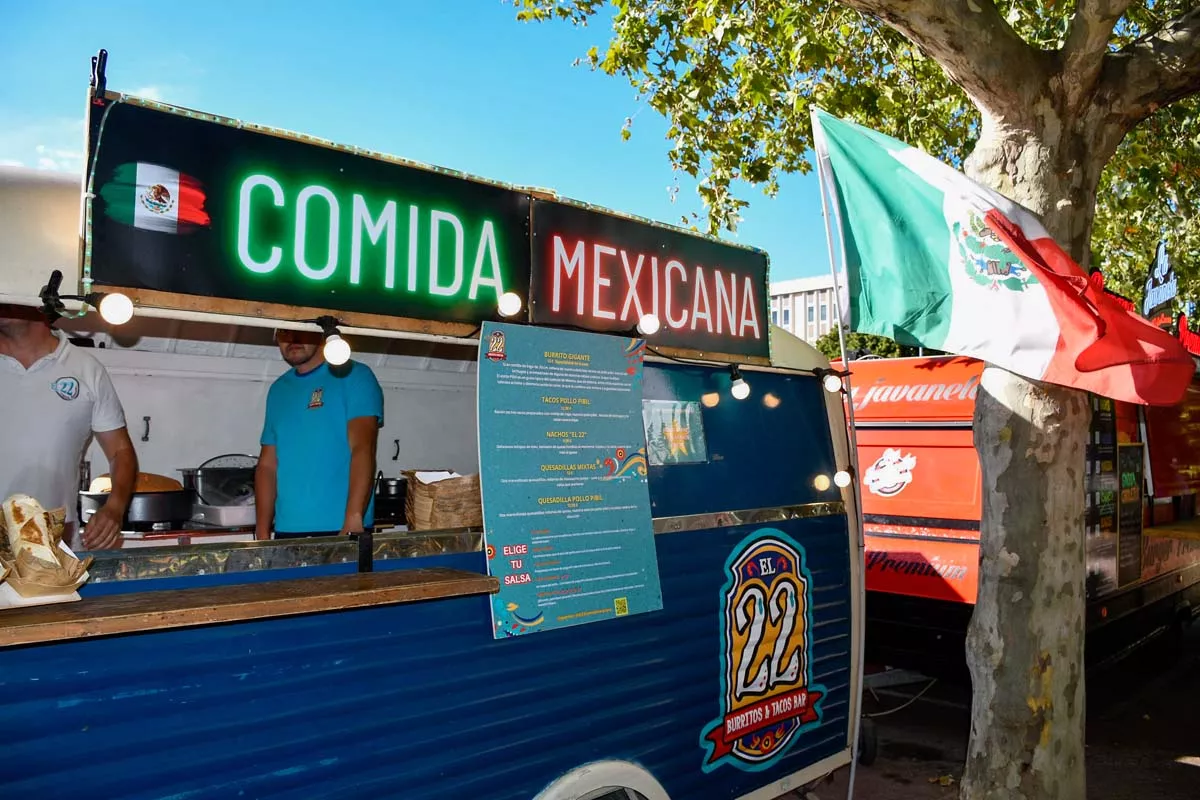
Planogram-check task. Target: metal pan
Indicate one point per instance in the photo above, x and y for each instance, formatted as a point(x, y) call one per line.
point(146, 509)
point(221, 486)
point(390, 495)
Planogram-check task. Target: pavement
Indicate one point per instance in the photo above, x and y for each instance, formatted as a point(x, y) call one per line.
point(1143, 734)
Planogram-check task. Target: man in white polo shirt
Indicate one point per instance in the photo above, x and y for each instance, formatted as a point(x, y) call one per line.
point(53, 398)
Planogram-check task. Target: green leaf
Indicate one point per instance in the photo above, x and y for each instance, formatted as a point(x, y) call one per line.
point(736, 80)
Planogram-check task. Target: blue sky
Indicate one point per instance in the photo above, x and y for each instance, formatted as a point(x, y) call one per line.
point(458, 83)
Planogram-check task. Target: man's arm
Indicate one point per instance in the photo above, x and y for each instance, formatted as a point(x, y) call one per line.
point(104, 528)
point(362, 432)
point(364, 418)
point(265, 489)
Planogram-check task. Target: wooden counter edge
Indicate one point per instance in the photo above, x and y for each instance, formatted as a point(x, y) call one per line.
point(180, 608)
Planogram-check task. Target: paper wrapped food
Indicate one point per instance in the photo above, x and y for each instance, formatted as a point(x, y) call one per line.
point(36, 563)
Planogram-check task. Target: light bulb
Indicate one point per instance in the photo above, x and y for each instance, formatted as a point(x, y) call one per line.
point(116, 309)
point(509, 304)
point(821, 483)
point(337, 350)
point(841, 478)
point(832, 383)
point(740, 389)
point(648, 325)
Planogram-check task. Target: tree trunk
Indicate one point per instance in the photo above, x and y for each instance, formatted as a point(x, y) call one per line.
point(1025, 642)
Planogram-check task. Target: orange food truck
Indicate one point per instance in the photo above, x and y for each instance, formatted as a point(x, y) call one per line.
point(920, 483)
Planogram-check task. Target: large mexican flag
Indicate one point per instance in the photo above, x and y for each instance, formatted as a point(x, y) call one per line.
point(155, 198)
point(933, 259)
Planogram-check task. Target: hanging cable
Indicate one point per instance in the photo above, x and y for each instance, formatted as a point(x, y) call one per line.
point(905, 704)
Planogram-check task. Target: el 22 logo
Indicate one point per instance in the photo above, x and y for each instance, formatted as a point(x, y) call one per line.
point(766, 654)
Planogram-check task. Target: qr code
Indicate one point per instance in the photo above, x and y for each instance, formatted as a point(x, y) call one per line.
point(621, 604)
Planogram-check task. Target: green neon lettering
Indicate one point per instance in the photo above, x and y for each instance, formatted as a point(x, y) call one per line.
point(368, 234)
point(374, 229)
point(307, 270)
point(487, 248)
point(243, 234)
point(436, 218)
point(413, 227)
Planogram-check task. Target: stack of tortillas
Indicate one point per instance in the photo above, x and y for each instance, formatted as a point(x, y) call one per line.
point(30, 553)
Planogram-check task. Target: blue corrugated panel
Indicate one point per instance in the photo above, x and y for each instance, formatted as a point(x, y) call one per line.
point(418, 701)
point(411, 701)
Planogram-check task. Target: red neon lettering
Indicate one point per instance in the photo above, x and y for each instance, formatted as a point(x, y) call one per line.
point(701, 293)
point(631, 286)
point(570, 264)
point(726, 301)
point(672, 321)
point(599, 280)
point(749, 311)
point(654, 285)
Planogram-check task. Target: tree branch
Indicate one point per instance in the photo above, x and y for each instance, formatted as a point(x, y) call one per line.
point(1155, 70)
point(976, 47)
point(1086, 45)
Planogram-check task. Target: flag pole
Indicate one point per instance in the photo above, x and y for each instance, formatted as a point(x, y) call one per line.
point(825, 184)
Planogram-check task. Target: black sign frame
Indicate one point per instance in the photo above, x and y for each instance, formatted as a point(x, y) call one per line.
point(202, 150)
point(218, 153)
point(594, 253)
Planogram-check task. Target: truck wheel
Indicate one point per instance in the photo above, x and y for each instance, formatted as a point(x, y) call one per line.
point(868, 742)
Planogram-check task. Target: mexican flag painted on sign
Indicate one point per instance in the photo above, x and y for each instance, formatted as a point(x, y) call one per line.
point(934, 259)
point(154, 198)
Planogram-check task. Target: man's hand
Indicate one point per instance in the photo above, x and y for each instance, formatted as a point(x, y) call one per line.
point(361, 433)
point(352, 524)
point(265, 490)
point(103, 531)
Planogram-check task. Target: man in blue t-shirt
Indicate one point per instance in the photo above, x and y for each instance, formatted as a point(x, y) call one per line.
point(316, 471)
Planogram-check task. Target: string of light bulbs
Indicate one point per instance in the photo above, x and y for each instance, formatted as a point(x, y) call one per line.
point(114, 307)
point(336, 350)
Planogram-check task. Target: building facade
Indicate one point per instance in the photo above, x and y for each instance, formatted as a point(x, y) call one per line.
point(804, 307)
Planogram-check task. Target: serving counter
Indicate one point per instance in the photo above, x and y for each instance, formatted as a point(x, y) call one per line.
point(132, 613)
point(229, 582)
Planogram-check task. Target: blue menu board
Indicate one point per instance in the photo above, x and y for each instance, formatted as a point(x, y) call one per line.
point(562, 457)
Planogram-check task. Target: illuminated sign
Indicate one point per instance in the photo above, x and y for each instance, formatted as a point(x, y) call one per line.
point(603, 272)
point(1162, 287)
point(192, 206)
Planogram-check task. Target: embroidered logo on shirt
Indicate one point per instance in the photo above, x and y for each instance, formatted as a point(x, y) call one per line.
point(316, 401)
point(66, 388)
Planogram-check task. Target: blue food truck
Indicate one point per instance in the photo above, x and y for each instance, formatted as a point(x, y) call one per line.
point(717, 657)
